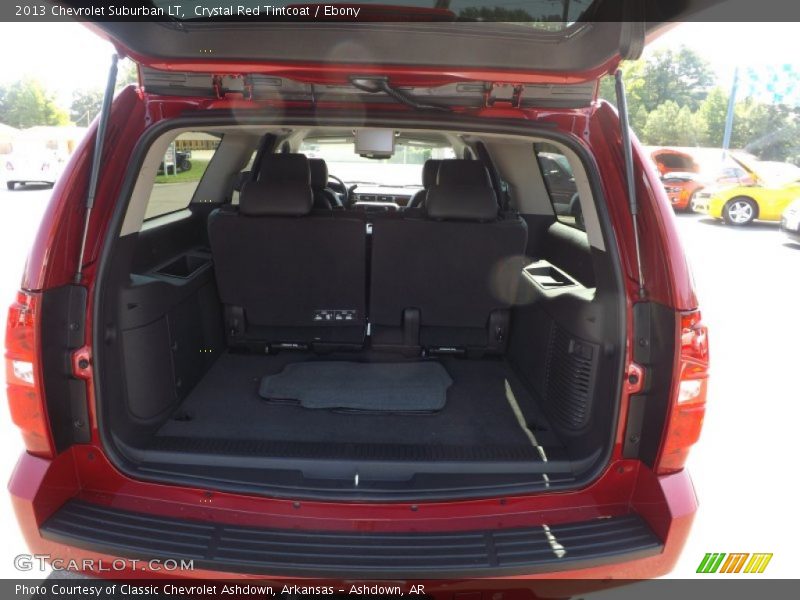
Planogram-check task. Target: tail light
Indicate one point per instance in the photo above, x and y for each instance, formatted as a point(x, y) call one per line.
point(688, 407)
point(24, 377)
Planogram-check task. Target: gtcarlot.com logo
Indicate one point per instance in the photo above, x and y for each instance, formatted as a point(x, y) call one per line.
point(741, 562)
point(31, 562)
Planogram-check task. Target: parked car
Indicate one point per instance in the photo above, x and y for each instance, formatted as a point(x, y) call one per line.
point(681, 188)
point(182, 162)
point(561, 184)
point(22, 168)
point(39, 154)
point(200, 376)
point(669, 160)
point(790, 220)
point(774, 186)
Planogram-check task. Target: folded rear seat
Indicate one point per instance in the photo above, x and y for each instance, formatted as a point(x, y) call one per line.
point(445, 281)
point(288, 276)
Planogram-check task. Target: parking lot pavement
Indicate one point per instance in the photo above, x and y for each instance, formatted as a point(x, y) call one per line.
point(747, 284)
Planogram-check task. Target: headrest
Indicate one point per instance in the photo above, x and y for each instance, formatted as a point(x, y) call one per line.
point(459, 171)
point(461, 203)
point(429, 172)
point(275, 198)
point(319, 172)
point(283, 188)
point(463, 192)
point(285, 167)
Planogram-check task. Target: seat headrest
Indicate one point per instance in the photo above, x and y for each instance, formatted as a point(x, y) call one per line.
point(285, 167)
point(283, 188)
point(319, 172)
point(459, 171)
point(463, 192)
point(461, 203)
point(430, 170)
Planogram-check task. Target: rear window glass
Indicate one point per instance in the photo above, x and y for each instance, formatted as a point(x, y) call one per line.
point(560, 183)
point(180, 171)
point(402, 170)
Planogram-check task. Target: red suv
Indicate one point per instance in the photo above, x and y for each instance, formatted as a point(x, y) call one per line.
point(355, 339)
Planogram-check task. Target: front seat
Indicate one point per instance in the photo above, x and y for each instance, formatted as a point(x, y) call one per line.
point(323, 197)
point(429, 171)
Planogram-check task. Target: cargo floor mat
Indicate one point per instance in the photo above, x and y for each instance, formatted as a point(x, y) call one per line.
point(377, 387)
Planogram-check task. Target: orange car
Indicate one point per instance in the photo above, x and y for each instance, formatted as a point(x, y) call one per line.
point(681, 187)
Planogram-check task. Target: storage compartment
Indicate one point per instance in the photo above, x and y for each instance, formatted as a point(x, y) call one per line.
point(549, 277)
point(185, 266)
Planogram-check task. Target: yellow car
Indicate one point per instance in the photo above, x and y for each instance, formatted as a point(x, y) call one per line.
point(774, 187)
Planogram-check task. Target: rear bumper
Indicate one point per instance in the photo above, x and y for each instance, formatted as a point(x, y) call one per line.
point(64, 515)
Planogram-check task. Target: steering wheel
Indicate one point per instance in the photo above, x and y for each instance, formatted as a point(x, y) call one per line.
point(347, 191)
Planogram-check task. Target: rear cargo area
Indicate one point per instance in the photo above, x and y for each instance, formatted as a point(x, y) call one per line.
point(371, 350)
point(487, 415)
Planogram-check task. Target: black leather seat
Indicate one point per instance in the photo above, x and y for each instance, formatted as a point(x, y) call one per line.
point(324, 199)
point(289, 276)
point(446, 280)
point(429, 172)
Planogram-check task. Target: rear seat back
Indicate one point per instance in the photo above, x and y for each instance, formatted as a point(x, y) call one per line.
point(446, 280)
point(287, 275)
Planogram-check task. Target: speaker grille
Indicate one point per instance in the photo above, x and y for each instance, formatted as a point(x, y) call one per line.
point(570, 373)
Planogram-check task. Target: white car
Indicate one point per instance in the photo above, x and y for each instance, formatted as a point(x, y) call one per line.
point(33, 168)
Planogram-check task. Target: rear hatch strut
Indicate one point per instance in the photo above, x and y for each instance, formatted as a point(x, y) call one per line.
point(627, 151)
point(97, 156)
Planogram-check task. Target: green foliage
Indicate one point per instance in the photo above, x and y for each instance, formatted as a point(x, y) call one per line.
point(86, 105)
point(673, 101)
point(712, 112)
point(127, 74)
point(26, 103)
point(671, 125)
point(194, 174)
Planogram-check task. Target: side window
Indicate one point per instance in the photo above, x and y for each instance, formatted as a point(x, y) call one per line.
point(180, 172)
point(560, 183)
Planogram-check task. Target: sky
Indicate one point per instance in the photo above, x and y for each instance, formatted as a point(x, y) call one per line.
point(66, 56)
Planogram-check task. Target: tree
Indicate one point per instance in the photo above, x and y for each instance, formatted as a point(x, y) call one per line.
point(671, 125)
point(682, 76)
point(769, 131)
point(127, 74)
point(86, 105)
point(713, 111)
point(26, 104)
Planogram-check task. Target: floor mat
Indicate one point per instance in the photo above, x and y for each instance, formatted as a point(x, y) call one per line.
point(225, 405)
point(381, 387)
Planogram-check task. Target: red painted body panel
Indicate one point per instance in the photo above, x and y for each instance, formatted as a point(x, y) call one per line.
point(40, 486)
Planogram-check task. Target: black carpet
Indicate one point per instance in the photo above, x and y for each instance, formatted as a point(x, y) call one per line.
point(226, 405)
point(382, 387)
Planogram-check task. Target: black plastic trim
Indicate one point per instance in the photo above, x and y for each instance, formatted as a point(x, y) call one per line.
point(63, 323)
point(293, 552)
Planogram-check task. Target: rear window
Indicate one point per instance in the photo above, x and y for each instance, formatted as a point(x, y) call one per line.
point(180, 172)
point(560, 183)
point(403, 169)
